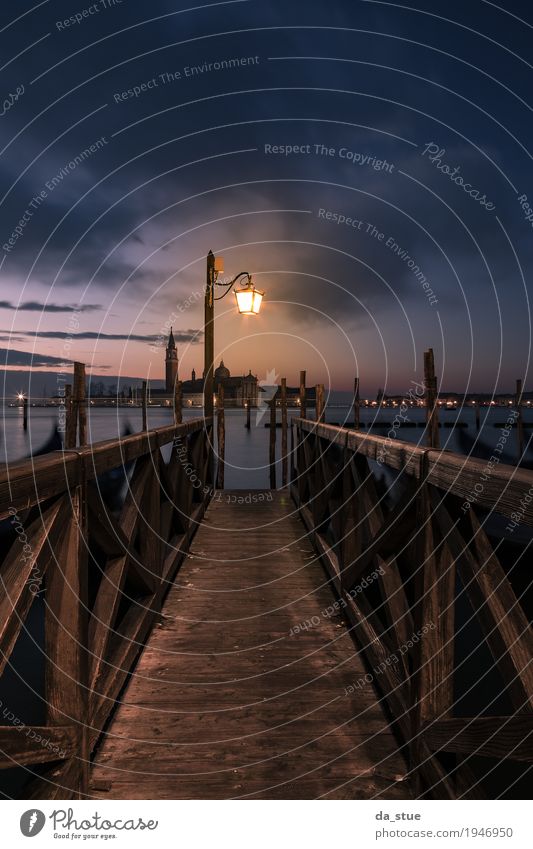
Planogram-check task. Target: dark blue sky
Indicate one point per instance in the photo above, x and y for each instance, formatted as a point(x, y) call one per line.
point(151, 133)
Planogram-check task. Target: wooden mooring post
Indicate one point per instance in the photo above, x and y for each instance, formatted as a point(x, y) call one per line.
point(178, 402)
point(75, 409)
point(319, 402)
point(247, 425)
point(25, 413)
point(70, 421)
point(303, 401)
point(221, 436)
point(356, 417)
point(432, 421)
point(81, 403)
point(519, 420)
point(478, 424)
point(284, 458)
point(272, 443)
point(144, 401)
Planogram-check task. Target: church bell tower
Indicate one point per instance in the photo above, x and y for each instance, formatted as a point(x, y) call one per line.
point(171, 364)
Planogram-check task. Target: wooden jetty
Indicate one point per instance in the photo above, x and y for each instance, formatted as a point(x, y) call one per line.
point(300, 645)
point(246, 687)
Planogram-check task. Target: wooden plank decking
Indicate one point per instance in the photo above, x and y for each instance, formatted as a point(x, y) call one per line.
point(225, 702)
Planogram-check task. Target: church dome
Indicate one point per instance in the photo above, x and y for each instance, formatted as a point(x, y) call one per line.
point(221, 373)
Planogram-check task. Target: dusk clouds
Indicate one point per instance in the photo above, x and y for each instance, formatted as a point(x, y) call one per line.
point(410, 122)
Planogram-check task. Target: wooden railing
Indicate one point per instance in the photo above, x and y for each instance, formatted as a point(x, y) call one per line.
point(101, 574)
point(401, 558)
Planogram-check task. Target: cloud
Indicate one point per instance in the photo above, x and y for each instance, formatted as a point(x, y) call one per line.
point(9, 357)
point(179, 336)
point(37, 306)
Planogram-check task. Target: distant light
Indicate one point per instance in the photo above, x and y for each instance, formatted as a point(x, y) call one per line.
point(20, 396)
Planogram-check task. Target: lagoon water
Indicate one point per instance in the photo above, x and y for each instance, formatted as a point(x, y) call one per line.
point(247, 451)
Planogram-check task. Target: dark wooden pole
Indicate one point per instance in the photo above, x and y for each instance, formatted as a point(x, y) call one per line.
point(519, 421)
point(178, 402)
point(81, 403)
point(221, 436)
point(319, 395)
point(284, 458)
point(209, 335)
point(25, 413)
point(272, 441)
point(303, 400)
point(70, 416)
point(432, 421)
point(356, 418)
point(145, 421)
point(247, 425)
point(477, 415)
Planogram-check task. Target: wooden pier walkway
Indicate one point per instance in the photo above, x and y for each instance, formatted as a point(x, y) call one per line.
point(192, 648)
point(231, 697)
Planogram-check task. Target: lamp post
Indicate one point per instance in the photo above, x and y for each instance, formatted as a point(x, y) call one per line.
point(248, 300)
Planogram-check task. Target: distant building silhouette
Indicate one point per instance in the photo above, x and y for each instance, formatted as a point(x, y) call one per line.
point(241, 390)
point(171, 364)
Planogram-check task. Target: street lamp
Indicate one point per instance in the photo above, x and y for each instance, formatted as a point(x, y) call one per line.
point(248, 303)
point(248, 298)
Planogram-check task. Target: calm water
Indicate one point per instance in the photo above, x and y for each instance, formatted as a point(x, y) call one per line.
point(247, 451)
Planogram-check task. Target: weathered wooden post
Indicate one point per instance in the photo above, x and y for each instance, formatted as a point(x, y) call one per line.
point(25, 413)
point(477, 415)
point(66, 640)
point(284, 458)
point(356, 418)
point(70, 418)
point(303, 402)
point(221, 436)
point(272, 445)
point(519, 421)
point(432, 421)
point(209, 335)
point(144, 395)
point(178, 402)
point(81, 407)
point(247, 425)
point(320, 409)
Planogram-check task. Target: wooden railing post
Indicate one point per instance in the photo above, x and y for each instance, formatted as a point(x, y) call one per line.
point(221, 436)
point(303, 399)
point(432, 421)
point(66, 628)
point(272, 443)
point(284, 458)
point(431, 691)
